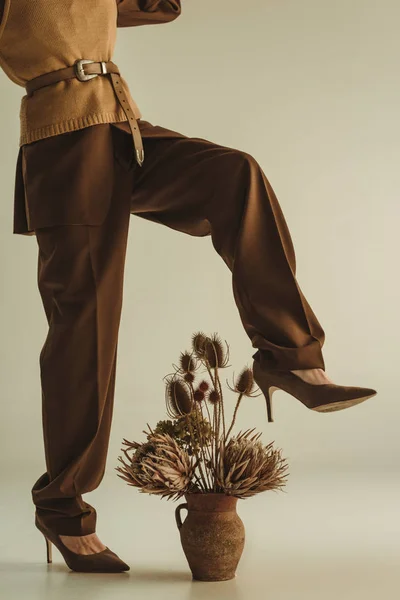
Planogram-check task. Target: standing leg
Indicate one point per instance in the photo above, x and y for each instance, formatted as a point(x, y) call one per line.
point(80, 278)
point(201, 188)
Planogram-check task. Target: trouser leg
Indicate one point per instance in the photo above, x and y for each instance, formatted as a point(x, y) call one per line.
point(80, 279)
point(202, 188)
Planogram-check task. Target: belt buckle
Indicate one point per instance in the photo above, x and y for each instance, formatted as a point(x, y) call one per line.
point(80, 73)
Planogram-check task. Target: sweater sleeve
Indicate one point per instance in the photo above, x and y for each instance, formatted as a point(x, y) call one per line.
point(132, 13)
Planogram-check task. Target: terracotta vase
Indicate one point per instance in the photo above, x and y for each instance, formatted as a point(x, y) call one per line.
point(212, 535)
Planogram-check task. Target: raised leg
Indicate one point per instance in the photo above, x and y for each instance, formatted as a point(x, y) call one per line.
point(202, 188)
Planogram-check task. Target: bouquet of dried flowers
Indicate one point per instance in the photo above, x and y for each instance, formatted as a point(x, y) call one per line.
point(194, 451)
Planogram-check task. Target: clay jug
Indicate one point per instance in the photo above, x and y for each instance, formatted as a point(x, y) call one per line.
point(212, 535)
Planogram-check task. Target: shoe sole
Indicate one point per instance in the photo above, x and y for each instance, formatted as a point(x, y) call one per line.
point(341, 405)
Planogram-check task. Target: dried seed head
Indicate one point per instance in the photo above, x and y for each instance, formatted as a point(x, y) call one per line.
point(198, 344)
point(159, 466)
point(215, 352)
point(248, 467)
point(214, 397)
point(178, 399)
point(245, 382)
point(189, 377)
point(187, 362)
point(204, 386)
point(198, 396)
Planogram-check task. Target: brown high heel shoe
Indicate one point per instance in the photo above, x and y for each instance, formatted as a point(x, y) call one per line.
point(105, 561)
point(325, 397)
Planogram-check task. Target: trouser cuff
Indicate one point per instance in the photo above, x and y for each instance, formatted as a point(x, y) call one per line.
point(63, 515)
point(289, 359)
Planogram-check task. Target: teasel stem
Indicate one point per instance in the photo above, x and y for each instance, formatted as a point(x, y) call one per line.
point(221, 440)
point(213, 373)
point(213, 446)
point(222, 400)
point(234, 416)
point(197, 478)
point(220, 413)
point(215, 408)
point(198, 458)
point(211, 449)
point(217, 421)
point(194, 445)
point(217, 413)
point(202, 445)
point(206, 449)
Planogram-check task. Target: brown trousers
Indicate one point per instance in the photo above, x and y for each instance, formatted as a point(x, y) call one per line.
point(194, 186)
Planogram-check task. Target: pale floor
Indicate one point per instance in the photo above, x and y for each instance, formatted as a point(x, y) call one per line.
point(330, 537)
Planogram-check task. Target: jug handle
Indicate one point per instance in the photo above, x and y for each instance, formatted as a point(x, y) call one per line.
point(178, 514)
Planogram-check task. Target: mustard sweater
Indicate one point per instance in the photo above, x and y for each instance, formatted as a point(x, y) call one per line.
point(38, 36)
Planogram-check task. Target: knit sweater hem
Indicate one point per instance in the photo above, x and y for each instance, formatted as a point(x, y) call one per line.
point(71, 125)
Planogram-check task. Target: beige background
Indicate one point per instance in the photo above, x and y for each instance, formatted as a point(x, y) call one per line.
point(311, 89)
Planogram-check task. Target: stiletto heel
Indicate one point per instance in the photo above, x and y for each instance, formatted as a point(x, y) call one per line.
point(268, 399)
point(49, 550)
point(324, 397)
point(105, 561)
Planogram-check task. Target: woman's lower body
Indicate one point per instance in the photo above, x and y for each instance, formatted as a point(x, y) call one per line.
point(191, 185)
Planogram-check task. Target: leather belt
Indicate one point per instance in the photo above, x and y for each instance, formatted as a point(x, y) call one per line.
point(84, 70)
